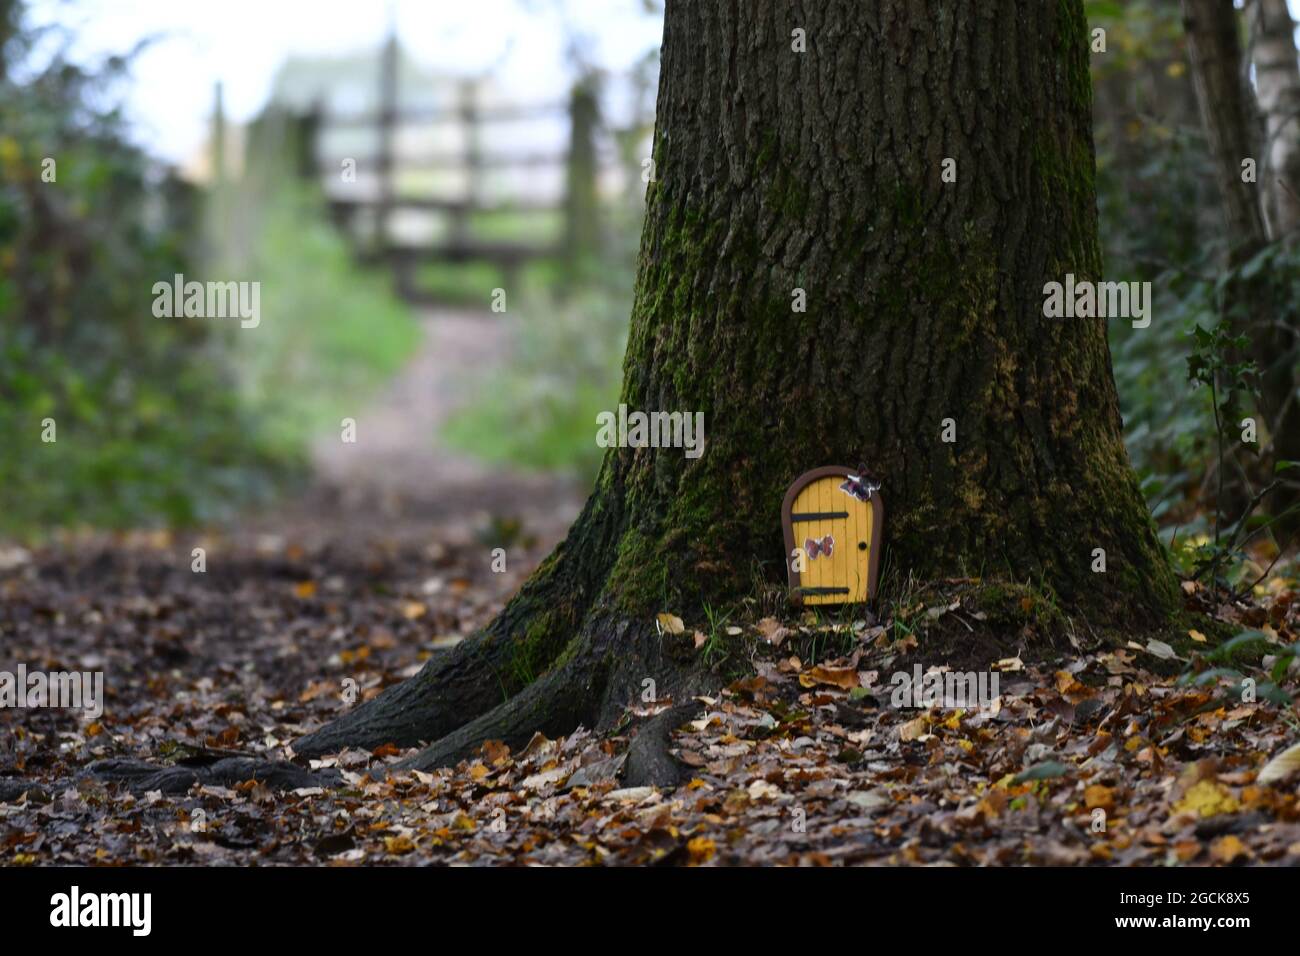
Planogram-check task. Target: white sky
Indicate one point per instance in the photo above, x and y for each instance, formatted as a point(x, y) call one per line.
point(243, 42)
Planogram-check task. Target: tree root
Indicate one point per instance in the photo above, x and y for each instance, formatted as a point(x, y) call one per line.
point(450, 689)
point(138, 776)
point(649, 760)
point(595, 687)
point(553, 705)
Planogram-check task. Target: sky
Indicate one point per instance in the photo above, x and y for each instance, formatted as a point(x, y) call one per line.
point(241, 43)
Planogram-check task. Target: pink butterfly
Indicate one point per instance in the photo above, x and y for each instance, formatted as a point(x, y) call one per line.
point(812, 547)
point(861, 488)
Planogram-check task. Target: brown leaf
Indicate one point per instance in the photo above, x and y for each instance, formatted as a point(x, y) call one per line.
point(1227, 849)
point(1098, 796)
point(772, 630)
point(845, 678)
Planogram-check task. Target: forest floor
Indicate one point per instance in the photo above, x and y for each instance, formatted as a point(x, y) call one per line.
point(1088, 756)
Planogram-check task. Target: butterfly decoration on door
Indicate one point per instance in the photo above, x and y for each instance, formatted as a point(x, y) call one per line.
point(860, 487)
point(814, 547)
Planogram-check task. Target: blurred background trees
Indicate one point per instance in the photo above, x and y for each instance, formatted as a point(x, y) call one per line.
point(147, 422)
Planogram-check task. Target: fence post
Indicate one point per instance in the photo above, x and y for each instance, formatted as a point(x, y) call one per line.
point(581, 201)
point(387, 128)
point(469, 121)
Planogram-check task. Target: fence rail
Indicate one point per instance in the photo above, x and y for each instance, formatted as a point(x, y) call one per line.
point(368, 214)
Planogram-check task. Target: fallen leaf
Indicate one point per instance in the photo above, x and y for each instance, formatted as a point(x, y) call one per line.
point(701, 849)
point(1281, 766)
point(913, 729)
point(671, 623)
point(1228, 848)
point(845, 678)
point(1046, 770)
point(1207, 798)
point(1161, 650)
point(398, 845)
point(772, 630)
point(1099, 796)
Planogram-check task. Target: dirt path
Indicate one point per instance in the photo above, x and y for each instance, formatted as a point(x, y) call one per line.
point(397, 477)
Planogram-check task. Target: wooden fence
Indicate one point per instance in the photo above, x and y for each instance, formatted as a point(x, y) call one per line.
point(369, 217)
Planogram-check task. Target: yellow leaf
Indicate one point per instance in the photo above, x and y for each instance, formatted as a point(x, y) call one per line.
point(671, 623)
point(1207, 798)
point(397, 845)
point(701, 849)
point(304, 589)
point(412, 610)
point(1228, 848)
point(1196, 636)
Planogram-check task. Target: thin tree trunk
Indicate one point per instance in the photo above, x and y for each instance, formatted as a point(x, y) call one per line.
point(821, 171)
point(1212, 31)
point(1277, 84)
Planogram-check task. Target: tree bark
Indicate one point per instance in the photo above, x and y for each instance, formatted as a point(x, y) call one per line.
point(1226, 110)
point(779, 170)
point(1277, 84)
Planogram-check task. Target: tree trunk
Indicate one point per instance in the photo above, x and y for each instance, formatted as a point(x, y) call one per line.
point(1226, 110)
point(777, 171)
point(1277, 82)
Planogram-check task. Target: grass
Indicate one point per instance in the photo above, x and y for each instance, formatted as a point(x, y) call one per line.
point(471, 283)
point(330, 334)
point(537, 411)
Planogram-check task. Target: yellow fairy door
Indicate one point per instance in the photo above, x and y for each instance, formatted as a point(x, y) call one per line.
point(832, 521)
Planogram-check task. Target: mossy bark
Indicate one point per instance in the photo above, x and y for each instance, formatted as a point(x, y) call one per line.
point(822, 171)
point(779, 170)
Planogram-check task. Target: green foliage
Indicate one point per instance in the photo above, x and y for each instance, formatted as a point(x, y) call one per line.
point(539, 410)
point(330, 334)
point(1234, 658)
point(147, 425)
